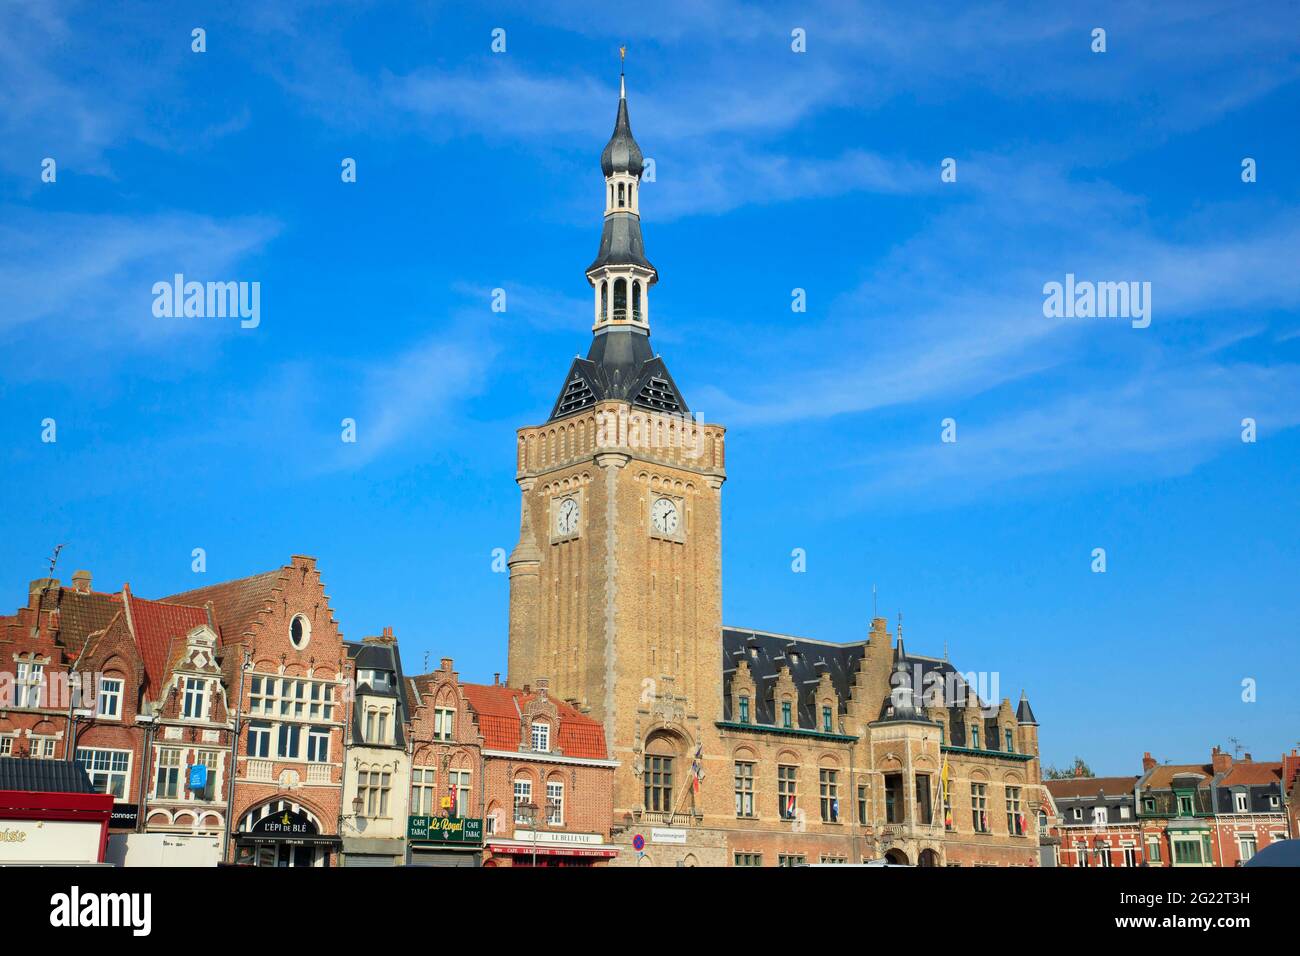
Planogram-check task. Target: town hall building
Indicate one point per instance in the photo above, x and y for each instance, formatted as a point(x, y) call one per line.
point(734, 746)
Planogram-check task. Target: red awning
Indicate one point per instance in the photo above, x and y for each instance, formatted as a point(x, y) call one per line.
point(515, 849)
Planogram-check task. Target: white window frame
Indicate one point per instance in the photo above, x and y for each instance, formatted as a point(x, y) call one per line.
point(264, 731)
point(459, 781)
point(1100, 816)
point(110, 771)
point(444, 723)
point(541, 736)
point(114, 695)
point(28, 680)
point(7, 744)
point(173, 770)
point(1241, 802)
point(318, 737)
point(424, 791)
point(523, 791)
point(194, 699)
point(555, 803)
point(42, 746)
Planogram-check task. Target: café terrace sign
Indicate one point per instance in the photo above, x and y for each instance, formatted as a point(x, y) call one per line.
point(444, 830)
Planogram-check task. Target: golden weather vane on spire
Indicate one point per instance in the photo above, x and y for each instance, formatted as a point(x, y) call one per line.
point(622, 54)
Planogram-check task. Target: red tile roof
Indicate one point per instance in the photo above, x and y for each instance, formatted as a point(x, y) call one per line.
point(80, 613)
point(160, 627)
point(1245, 774)
point(1162, 777)
point(236, 604)
point(1075, 787)
point(499, 711)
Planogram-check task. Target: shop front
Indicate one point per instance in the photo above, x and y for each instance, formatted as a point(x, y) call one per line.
point(550, 848)
point(283, 834)
point(444, 841)
point(50, 815)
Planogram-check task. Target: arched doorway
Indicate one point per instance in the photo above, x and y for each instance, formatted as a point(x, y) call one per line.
point(898, 856)
point(282, 833)
point(928, 858)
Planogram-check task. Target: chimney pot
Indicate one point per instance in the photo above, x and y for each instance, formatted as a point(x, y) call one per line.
point(81, 581)
point(1149, 762)
point(496, 679)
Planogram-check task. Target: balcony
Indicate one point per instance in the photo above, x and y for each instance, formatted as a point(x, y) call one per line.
point(260, 770)
point(319, 773)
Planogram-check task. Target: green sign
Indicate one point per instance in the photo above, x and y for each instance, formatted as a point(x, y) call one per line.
point(444, 830)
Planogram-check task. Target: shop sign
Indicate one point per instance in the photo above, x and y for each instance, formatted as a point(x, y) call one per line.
point(445, 830)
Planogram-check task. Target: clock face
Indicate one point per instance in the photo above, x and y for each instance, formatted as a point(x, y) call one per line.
point(663, 516)
point(566, 519)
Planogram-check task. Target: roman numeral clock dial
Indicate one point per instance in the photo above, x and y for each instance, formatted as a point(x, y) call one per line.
point(663, 516)
point(566, 518)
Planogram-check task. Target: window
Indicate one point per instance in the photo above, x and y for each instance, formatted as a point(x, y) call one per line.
point(1148, 805)
point(259, 738)
point(376, 730)
point(744, 713)
point(300, 631)
point(318, 744)
point(108, 769)
point(1123, 813)
point(458, 784)
point(193, 706)
point(110, 698)
point(41, 748)
point(922, 790)
point(1153, 849)
point(1100, 816)
point(1015, 822)
point(424, 791)
point(979, 805)
point(301, 699)
point(658, 783)
point(975, 736)
point(376, 680)
point(523, 796)
point(1077, 813)
point(373, 786)
point(212, 760)
point(167, 782)
point(1011, 744)
point(787, 859)
point(828, 721)
point(290, 741)
point(554, 803)
point(444, 723)
point(744, 789)
point(829, 791)
point(749, 859)
point(787, 791)
point(541, 735)
point(835, 860)
point(6, 745)
point(28, 683)
point(1245, 846)
point(786, 719)
point(1103, 857)
point(1241, 801)
point(1130, 856)
point(1187, 851)
point(1185, 805)
point(895, 811)
point(862, 805)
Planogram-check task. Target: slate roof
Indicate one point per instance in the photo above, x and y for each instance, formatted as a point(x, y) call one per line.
point(372, 655)
point(43, 776)
point(500, 710)
point(1025, 713)
point(619, 366)
point(236, 604)
point(1079, 788)
point(621, 153)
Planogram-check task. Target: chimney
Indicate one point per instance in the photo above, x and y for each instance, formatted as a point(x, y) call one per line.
point(1148, 762)
point(1248, 758)
point(1078, 770)
point(1220, 762)
point(42, 584)
point(496, 679)
point(81, 581)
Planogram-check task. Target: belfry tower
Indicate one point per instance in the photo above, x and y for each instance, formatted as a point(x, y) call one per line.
point(615, 584)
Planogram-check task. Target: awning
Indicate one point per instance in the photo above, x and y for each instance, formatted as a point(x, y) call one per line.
point(514, 848)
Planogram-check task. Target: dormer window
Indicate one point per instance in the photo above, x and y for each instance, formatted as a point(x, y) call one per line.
point(828, 720)
point(110, 698)
point(744, 708)
point(194, 703)
point(541, 739)
point(975, 736)
point(787, 718)
point(377, 680)
point(1242, 802)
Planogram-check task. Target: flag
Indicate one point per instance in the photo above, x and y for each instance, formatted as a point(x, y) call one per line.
point(943, 783)
point(697, 768)
point(1021, 826)
point(789, 807)
point(451, 806)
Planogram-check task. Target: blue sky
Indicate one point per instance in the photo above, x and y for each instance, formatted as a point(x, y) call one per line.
point(774, 170)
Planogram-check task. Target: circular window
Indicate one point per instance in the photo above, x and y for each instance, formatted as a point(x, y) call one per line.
point(300, 631)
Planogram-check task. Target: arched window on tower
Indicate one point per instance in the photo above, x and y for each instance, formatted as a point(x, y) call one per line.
point(636, 301)
point(604, 299)
point(620, 195)
point(611, 195)
point(620, 300)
